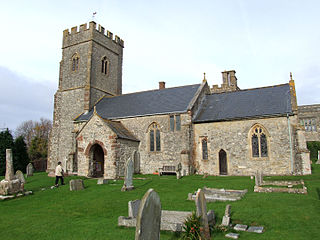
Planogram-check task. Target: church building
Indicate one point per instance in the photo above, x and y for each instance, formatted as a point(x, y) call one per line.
point(217, 131)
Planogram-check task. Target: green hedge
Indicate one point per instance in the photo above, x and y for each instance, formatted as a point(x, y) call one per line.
point(313, 147)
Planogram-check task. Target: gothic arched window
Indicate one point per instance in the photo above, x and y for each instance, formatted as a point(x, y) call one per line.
point(204, 144)
point(154, 137)
point(75, 62)
point(104, 65)
point(259, 142)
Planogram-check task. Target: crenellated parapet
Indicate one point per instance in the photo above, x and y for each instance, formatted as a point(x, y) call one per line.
point(85, 33)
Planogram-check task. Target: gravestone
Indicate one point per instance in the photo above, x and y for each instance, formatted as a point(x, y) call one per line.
point(226, 217)
point(149, 217)
point(76, 184)
point(9, 166)
point(10, 185)
point(133, 208)
point(19, 175)
point(30, 170)
point(127, 186)
point(201, 207)
point(258, 178)
point(255, 229)
point(102, 181)
point(232, 235)
point(178, 172)
point(240, 227)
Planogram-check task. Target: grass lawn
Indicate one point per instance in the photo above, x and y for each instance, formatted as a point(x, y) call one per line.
point(92, 213)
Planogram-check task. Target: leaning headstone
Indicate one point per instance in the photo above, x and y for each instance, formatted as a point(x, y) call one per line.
point(76, 184)
point(133, 208)
point(102, 181)
point(9, 166)
point(127, 186)
point(226, 217)
point(149, 217)
point(178, 172)
point(30, 170)
point(255, 229)
point(19, 175)
point(201, 207)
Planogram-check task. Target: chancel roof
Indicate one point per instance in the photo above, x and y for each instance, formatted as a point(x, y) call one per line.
point(250, 103)
point(153, 102)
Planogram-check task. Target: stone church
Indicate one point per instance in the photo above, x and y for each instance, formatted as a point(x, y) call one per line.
point(217, 131)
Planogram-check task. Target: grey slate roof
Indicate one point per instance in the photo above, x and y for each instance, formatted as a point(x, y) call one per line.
point(168, 100)
point(121, 131)
point(268, 101)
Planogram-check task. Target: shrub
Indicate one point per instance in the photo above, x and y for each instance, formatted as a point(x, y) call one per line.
point(313, 147)
point(192, 228)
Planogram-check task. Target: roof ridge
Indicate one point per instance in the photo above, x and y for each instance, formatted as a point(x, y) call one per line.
point(251, 89)
point(153, 90)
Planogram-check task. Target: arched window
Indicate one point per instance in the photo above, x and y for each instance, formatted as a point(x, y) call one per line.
point(259, 143)
point(204, 144)
point(75, 62)
point(154, 137)
point(104, 65)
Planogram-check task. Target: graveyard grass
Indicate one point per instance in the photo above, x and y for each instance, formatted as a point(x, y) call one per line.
point(93, 213)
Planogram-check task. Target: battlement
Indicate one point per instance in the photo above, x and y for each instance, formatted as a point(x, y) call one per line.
point(92, 28)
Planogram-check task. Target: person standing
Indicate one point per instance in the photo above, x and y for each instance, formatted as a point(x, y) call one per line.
point(59, 174)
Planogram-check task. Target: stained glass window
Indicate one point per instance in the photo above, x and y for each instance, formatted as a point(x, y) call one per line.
point(259, 143)
point(154, 138)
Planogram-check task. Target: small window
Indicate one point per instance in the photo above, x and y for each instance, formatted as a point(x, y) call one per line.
point(310, 125)
point(175, 123)
point(104, 65)
point(75, 62)
point(154, 138)
point(259, 143)
point(204, 145)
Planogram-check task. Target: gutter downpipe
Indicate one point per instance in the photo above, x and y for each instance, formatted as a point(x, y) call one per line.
point(290, 141)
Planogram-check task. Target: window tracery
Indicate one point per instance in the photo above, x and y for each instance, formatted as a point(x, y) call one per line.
point(154, 138)
point(259, 142)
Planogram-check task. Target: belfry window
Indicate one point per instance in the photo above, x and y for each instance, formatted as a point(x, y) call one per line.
point(75, 62)
point(204, 144)
point(104, 65)
point(259, 143)
point(154, 138)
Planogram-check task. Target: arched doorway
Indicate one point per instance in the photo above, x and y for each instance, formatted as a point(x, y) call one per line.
point(96, 163)
point(223, 167)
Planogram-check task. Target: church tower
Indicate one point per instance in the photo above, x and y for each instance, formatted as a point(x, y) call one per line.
point(91, 67)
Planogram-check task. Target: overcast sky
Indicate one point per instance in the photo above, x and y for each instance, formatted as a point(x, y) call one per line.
point(171, 41)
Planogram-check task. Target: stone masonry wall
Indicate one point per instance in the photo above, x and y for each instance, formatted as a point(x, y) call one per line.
point(172, 143)
point(233, 137)
point(126, 151)
point(310, 112)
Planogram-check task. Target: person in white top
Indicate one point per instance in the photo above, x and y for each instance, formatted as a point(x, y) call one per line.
point(59, 174)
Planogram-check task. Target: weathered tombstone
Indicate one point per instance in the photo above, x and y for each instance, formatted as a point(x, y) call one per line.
point(255, 229)
point(127, 186)
point(19, 175)
point(232, 235)
point(258, 178)
point(10, 185)
point(226, 217)
point(149, 217)
point(201, 207)
point(9, 166)
point(76, 184)
point(240, 227)
point(133, 208)
point(102, 181)
point(178, 172)
point(30, 170)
